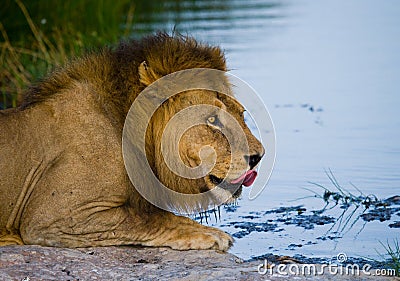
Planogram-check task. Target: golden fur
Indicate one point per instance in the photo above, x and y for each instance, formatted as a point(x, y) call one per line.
point(63, 178)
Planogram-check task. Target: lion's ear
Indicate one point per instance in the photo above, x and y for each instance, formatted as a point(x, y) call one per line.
point(219, 103)
point(147, 74)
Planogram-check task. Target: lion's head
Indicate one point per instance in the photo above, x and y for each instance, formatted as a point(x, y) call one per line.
point(204, 132)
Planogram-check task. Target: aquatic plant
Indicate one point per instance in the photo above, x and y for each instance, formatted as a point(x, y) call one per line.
point(344, 197)
point(354, 207)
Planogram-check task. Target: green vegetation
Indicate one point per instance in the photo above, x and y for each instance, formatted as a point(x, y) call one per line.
point(39, 35)
point(392, 256)
point(390, 259)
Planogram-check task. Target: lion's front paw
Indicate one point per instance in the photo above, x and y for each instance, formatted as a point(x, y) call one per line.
point(200, 238)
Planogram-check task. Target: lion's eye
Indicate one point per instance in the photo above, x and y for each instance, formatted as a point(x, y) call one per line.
point(214, 121)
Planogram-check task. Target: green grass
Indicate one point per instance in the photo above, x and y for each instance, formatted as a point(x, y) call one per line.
point(389, 257)
point(392, 255)
point(29, 49)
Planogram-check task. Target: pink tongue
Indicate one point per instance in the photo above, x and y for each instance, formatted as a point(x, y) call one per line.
point(246, 179)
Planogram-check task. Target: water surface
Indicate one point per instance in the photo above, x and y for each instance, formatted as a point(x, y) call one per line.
point(329, 73)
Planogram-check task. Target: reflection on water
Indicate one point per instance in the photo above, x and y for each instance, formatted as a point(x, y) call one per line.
point(328, 72)
point(218, 17)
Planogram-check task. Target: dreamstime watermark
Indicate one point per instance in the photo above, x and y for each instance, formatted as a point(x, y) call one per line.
point(340, 267)
point(166, 88)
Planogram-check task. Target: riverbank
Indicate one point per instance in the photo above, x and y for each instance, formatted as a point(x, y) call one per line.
point(137, 263)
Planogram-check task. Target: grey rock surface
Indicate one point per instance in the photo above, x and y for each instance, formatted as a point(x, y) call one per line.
point(31, 263)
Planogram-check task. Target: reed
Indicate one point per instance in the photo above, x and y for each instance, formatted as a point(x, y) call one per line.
point(26, 58)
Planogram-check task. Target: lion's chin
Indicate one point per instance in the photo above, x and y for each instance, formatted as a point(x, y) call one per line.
point(234, 190)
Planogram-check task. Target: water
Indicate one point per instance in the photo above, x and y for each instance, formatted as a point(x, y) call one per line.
point(329, 73)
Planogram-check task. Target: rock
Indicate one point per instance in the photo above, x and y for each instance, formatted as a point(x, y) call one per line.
point(119, 263)
point(31, 263)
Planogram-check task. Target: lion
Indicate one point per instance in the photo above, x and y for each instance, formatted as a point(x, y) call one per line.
point(64, 183)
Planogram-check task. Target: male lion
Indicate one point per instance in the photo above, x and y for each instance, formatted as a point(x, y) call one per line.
point(63, 180)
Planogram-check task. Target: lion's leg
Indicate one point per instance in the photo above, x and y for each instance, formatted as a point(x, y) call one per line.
point(181, 233)
point(118, 226)
point(10, 239)
point(88, 226)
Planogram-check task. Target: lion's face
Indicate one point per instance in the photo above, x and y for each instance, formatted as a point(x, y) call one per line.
point(215, 137)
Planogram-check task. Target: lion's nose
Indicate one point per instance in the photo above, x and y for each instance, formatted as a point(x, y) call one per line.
point(253, 160)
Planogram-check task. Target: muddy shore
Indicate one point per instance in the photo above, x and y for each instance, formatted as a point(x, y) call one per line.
point(136, 263)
